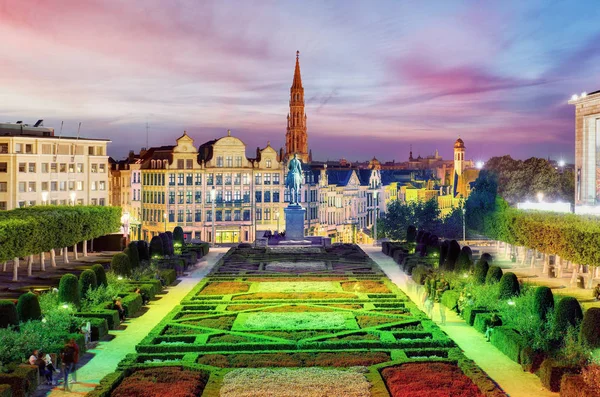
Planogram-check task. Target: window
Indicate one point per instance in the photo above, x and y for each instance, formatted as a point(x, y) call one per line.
point(71, 168)
point(258, 196)
point(180, 164)
point(31, 167)
point(267, 214)
point(237, 196)
point(180, 179)
point(276, 179)
point(219, 179)
point(171, 179)
point(246, 196)
point(3, 167)
point(3, 148)
point(102, 168)
point(198, 197)
point(246, 215)
point(63, 168)
point(218, 215)
point(80, 185)
point(22, 167)
point(93, 186)
point(267, 196)
point(219, 161)
point(257, 178)
point(198, 181)
point(267, 179)
point(228, 196)
point(258, 215)
point(227, 216)
point(22, 187)
point(188, 215)
point(3, 205)
point(268, 163)
point(45, 168)
point(171, 198)
point(246, 179)
point(189, 164)
point(188, 197)
point(53, 168)
point(229, 161)
point(180, 215)
point(4, 186)
point(53, 186)
point(238, 161)
point(18, 148)
point(237, 215)
point(102, 202)
point(31, 187)
point(71, 185)
point(80, 168)
point(29, 148)
point(21, 204)
point(219, 197)
point(228, 179)
point(94, 168)
point(180, 197)
point(275, 196)
point(101, 185)
point(189, 179)
point(237, 179)
point(198, 216)
point(90, 150)
point(209, 179)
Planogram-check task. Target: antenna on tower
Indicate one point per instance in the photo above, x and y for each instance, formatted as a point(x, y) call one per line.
point(146, 132)
point(78, 129)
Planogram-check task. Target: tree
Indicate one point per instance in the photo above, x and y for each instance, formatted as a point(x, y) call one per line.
point(87, 280)
point(68, 289)
point(28, 307)
point(133, 254)
point(424, 215)
point(156, 248)
point(8, 314)
point(120, 265)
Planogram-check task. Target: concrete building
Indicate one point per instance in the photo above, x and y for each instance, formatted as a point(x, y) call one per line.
point(39, 168)
point(587, 156)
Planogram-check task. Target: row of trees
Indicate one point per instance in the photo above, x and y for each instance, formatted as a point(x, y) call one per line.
point(35, 230)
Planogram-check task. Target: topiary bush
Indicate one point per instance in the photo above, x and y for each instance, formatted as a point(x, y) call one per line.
point(133, 254)
point(178, 239)
point(87, 280)
point(120, 265)
point(567, 313)
point(411, 234)
point(68, 289)
point(494, 275)
point(98, 270)
point(543, 302)
point(509, 286)
point(453, 252)
point(419, 236)
point(170, 242)
point(480, 273)
point(486, 257)
point(164, 239)
point(28, 307)
point(143, 250)
point(590, 327)
point(465, 259)
point(8, 314)
point(156, 248)
point(443, 253)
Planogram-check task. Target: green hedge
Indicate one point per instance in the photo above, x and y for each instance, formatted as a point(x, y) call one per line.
point(107, 384)
point(590, 327)
point(169, 275)
point(98, 269)
point(133, 254)
point(509, 286)
point(99, 328)
point(5, 391)
point(8, 313)
point(28, 307)
point(470, 312)
point(87, 280)
point(450, 298)
point(132, 304)
point(481, 270)
point(32, 230)
point(567, 313)
point(494, 274)
point(551, 374)
point(508, 341)
point(68, 289)
point(23, 381)
point(543, 301)
point(482, 320)
point(121, 265)
point(111, 316)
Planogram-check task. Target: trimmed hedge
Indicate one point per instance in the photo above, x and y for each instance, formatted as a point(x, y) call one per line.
point(420, 273)
point(143, 250)
point(573, 385)
point(99, 328)
point(8, 314)
point(470, 312)
point(482, 320)
point(169, 275)
point(509, 286)
point(590, 327)
point(5, 391)
point(543, 301)
point(465, 259)
point(111, 316)
point(480, 273)
point(508, 341)
point(98, 269)
point(551, 374)
point(68, 289)
point(133, 254)
point(23, 381)
point(132, 304)
point(87, 280)
point(156, 248)
point(453, 253)
point(120, 265)
point(178, 239)
point(450, 298)
point(494, 274)
point(567, 313)
point(28, 307)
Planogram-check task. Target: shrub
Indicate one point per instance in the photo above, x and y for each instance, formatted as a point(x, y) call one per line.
point(509, 286)
point(453, 252)
point(411, 234)
point(443, 253)
point(450, 299)
point(480, 273)
point(28, 307)
point(590, 327)
point(567, 313)
point(169, 275)
point(68, 289)
point(156, 248)
point(419, 236)
point(164, 241)
point(494, 275)
point(552, 372)
point(178, 239)
point(133, 254)
point(486, 257)
point(170, 242)
point(572, 385)
point(543, 302)
point(87, 281)
point(98, 270)
point(120, 265)
point(420, 273)
point(433, 241)
point(465, 259)
point(143, 250)
point(8, 313)
point(508, 341)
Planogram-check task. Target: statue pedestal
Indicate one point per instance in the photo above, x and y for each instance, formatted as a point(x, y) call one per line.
point(294, 222)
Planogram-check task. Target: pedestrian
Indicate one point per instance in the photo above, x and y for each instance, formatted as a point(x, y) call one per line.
point(33, 358)
point(495, 321)
point(43, 368)
point(144, 296)
point(67, 357)
point(75, 360)
point(118, 306)
point(86, 330)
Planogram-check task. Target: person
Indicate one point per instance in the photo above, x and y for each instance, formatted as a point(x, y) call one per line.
point(49, 364)
point(86, 330)
point(144, 296)
point(428, 303)
point(158, 277)
point(118, 306)
point(34, 356)
point(495, 321)
point(67, 358)
point(460, 302)
point(443, 286)
point(75, 347)
point(43, 368)
point(597, 292)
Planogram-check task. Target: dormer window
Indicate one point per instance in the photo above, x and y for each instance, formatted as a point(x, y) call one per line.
point(268, 163)
point(219, 161)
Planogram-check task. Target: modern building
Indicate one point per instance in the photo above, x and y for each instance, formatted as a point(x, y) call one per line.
point(39, 168)
point(587, 156)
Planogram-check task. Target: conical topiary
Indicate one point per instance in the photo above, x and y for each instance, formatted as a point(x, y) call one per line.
point(567, 313)
point(178, 239)
point(480, 273)
point(453, 252)
point(156, 248)
point(143, 250)
point(68, 289)
point(411, 234)
point(543, 302)
point(87, 280)
point(464, 263)
point(443, 253)
point(120, 265)
point(28, 307)
point(494, 275)
point(8, 314)
point(98, 270)
point(133, 254)
point(509, 286)
point(590, 327)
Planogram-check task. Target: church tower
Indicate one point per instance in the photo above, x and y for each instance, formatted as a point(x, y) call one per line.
point(459, 156)
point(296, 139)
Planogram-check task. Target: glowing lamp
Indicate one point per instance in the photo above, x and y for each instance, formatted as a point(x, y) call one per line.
point(479, 165)
point(120, 278)
point(583, 94)
point(65, 306)
point(510, 302)
point(574, 97)
point(561, 163)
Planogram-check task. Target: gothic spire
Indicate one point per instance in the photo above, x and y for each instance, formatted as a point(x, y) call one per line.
point(297, 78)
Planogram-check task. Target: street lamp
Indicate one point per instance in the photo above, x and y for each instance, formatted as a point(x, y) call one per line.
point(464, 212)
point(165, 218)
point(213, 195)
point(376, 211)
point(277, 217)
point(540, 196)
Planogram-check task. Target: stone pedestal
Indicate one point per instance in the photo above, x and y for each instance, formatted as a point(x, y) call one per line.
point(294, 222)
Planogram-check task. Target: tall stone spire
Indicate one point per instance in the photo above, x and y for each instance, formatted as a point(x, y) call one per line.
point(296, 139)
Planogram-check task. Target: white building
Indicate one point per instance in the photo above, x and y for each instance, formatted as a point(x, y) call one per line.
point(38, 168)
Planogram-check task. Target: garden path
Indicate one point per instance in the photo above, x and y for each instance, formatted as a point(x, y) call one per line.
point(504, 371)
point(108, 354)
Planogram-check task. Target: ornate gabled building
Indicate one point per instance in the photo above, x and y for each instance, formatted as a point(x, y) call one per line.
point(296, 138)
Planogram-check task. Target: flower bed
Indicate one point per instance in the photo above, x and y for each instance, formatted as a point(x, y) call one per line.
point(365, 286)
point(297, 286)
point(160, 382)
point(307, 382)
point(428, 380)
point(326, 359)
point(224, 288)
point(295, 295)
point(292, 321)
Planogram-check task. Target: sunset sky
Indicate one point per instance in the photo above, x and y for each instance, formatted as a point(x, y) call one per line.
point(378, 75)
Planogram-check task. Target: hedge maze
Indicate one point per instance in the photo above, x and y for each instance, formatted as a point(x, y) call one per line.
point(329, 313)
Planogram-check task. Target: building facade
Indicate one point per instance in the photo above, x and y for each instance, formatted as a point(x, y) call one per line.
point(38, 168)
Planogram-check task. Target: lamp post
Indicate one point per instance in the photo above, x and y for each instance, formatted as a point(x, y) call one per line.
point(464, 211)
point(165, 218)
point(277, 217)
point(213, 195)
point(375, 219)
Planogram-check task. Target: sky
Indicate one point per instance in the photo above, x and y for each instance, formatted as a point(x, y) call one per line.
point(378, 75)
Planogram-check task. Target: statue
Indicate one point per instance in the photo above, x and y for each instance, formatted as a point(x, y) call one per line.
point(294, 179)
